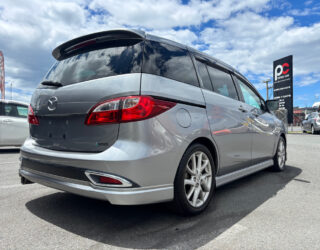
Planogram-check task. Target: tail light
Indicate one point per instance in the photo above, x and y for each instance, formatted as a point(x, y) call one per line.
point(127, 109)
point(31, 117)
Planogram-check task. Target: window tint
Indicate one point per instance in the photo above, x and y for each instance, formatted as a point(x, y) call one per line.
point(204, 75)
point(97, 64)
point(250, 97)
point(169, 61)
point(15, 110)
point(22, 111)
point(222, 83)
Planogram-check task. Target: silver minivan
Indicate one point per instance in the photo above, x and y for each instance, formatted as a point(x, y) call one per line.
point(132, 118)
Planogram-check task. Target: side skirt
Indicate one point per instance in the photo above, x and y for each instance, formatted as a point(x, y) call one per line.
point(224, 179)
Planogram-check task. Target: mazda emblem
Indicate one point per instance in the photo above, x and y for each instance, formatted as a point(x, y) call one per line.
point(52, 103)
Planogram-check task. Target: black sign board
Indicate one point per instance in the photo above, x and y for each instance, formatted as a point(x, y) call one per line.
point(283, 85)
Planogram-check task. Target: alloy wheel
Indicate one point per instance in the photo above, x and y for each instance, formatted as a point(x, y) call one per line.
point(198, 179)
point(281, 154)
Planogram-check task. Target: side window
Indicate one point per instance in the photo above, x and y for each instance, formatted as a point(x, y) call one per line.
point(10, 110)
point(250, 97)
point(222, 83)
point(204, 75)
point(14, 110)
point(22, 111)
point(169, 61)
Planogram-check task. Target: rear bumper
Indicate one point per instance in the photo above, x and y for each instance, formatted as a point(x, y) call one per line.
point(117, 196)
point(146, 154)
point(150, 172)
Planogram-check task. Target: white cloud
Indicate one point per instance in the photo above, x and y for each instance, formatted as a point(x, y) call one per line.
point(166, 14)
point(31, 29)
point(305, 12)
point(306, 80)
point(183, 36)
point(17, 94)
point(250, 42)
point(149, 14)
point(308, 2)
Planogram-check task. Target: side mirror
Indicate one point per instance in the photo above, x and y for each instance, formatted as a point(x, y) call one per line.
point(272, 105)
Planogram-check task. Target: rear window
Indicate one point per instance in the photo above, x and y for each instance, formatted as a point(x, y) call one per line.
point(98, 63)
point(170, 62)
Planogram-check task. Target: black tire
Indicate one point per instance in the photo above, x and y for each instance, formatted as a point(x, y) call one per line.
point(181, 203)
point(312, 130)
point(277, 166)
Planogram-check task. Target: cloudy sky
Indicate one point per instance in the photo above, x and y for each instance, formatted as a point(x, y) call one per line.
point(248, 35)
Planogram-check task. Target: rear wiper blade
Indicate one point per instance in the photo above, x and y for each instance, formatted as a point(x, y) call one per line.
point(51, 83)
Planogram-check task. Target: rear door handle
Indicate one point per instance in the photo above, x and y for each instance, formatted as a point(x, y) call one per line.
point(255, 113)
point(7, 121)
point(242, 109)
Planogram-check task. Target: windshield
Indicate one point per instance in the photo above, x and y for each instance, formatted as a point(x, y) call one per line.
point(97, 64)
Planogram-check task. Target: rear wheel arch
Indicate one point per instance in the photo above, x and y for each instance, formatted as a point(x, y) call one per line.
point(284, 138)
point(212, 148)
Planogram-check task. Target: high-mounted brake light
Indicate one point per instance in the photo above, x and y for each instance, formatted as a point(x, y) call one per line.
point(81, 45)
point(127, 109)
point(31, 117)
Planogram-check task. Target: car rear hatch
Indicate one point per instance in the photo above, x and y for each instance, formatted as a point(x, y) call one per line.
point(89, 70)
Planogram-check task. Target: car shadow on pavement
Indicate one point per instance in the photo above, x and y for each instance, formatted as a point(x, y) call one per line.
point(9, 150)
point(156, 226)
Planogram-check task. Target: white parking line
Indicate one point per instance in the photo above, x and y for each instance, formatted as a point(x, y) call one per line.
point(11, 186)
point(2, 163)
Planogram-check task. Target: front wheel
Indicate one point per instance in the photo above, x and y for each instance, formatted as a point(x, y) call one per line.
point(194, 183)
point(312, 130)
point(280, 156)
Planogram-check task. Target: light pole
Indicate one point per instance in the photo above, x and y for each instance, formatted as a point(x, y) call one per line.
point(11, 89)
point(267, 87)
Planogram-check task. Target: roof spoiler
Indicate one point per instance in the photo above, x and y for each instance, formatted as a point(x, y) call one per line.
point(65, 50)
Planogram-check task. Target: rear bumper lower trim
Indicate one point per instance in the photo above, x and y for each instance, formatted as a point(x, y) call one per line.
point(116, 196)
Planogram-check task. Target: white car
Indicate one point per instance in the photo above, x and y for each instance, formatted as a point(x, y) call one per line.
point(14, 127)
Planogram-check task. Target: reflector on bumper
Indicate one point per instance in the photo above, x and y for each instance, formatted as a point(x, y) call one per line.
point(107, 180)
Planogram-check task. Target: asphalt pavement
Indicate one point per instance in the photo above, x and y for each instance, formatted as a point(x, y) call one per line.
point(266, 210)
